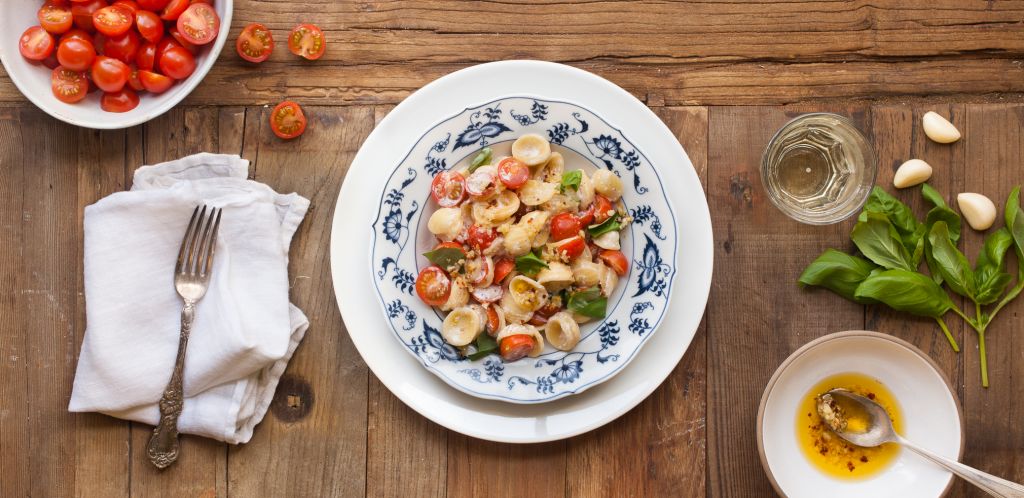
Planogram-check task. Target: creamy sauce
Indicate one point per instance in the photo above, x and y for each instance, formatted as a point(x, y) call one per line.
point(829, 453)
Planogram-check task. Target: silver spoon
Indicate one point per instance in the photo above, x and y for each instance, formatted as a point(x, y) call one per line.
point(879, 430)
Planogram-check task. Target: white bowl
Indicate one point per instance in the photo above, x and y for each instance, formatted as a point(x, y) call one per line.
point(932, 416)
point(33, 80)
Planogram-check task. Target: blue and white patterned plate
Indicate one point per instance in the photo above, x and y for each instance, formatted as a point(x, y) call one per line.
point(587, 141)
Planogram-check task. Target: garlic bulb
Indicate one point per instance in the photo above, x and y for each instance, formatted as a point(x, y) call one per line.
point(939, 129)
point(979, 210)
point(912, 172)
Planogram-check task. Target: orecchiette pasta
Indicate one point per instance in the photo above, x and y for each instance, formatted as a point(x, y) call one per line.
point(496, 210)
point(608, 240)
point(555, 277)
point(527, 293)
point(607, 184)
point(585, 192)
point(535, 193)
point(531, 149)
point(609, 279)
point(562, 331)
point(461, 326)
point(586, 273)
point(445, 223)
point(459, 296)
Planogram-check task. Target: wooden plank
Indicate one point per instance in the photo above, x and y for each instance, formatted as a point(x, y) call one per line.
point(313, 441)
point(994, 164)
point(759, 253)
point(664, 436)
point(510, 470)
point(406, 454)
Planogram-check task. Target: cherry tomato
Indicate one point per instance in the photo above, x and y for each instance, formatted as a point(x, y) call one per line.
point(134, 82)
point(502, 268)
point(563, 226)
point(55, 18)
point(173, 9)
point(572, 247)
point(199, 24)
point(615, 260)
point(433, 286)
point(114, 20)
point(287, 120)
point(51, 61)
point(165, 44)
point(516, 346)
point(154, 82)
point(448, 188)
point(76, 54)
point(513, 173)
point(76, 33)
point(122, 48)
point(110, 74)
point(173, 33)
point(69, 86)
point(82, 13)
point(255, 43)
point(121, 101)
point(36, 44)
point(307, 40)
point(150, 26)
point(153, 5)
point(493, 321)
point(177, 63)
point(480, 238)
point(602, 206)
point(145, 57)
point(130, 5)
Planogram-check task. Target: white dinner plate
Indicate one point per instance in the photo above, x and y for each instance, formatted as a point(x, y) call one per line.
point(360, 200)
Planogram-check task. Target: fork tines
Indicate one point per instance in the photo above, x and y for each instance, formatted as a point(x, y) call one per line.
point(195, 257)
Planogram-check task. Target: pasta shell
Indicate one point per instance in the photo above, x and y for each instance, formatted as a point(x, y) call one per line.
point(446, 223)
point(609, 279)
point(607, 184)
point(562, 203)
point(556, 276)
point(585, 192)
point(586, 273)
point(531, 149)
point(517, 241)
point(513, 312)
point(459, 296)
point(554, 168)
point(607, 240)
point(496, 210)
point(535, 193)
point(461, 326)
point(501, 321)
point(527, 293)
point(562, 331)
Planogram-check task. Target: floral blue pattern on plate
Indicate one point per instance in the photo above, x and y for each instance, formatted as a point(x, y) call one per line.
point(399, 237)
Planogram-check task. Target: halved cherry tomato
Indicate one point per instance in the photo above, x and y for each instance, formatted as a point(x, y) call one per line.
point(81, 34)
point(69, 86)
point(448, 188)
point(479, 237)
point(154, 82)
point(572, 247)
point(55, 18)
point(146, 56)
point(166, 43)
point(516, 346)
point(433, 286)
point(540, 317)
point(76, 54)
point(308, 41)
point(493, 320)
point(150, 26)
point(114, 20)
point(615, 260)
point(82, 12)
point(177, 63)
point(131, 5)
point(122, 48)
point(110, 74)
point(513, 173)
point(36, 44)
point(563, 226)
point(602, 206)
point(121, 101)
point(502, 268)
point(287, 120)
point(255, 43)
point(187, 45)
point(480, 271)
point(51, 61)
point(173, 9)
point(199, 24)
point(153, 5)
point(134, 82)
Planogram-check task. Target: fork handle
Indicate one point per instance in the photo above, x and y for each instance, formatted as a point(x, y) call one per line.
point(163, 444)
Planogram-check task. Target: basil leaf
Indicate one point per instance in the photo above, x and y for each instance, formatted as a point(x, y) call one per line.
point(951, 263)
point(610, 225)
point(908, 291)
point(1015, 224)
point(482, 158)
point(530, 264)
point(898, 214)
point(485, 345)
point(990, 270)
point(588, 303)
point(571, 179)
point(952, 220)
point(838, 272)
point(932, 195)
point(877, 239)
point(445, 257)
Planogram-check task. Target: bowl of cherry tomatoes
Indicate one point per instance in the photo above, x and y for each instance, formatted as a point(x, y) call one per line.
point(111, 64)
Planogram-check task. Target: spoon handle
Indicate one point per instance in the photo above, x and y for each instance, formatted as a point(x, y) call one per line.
point(991, 484)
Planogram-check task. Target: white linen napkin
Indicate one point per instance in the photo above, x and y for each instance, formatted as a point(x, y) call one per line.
point(245, 330)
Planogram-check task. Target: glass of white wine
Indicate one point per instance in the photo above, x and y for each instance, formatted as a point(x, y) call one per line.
point(818, 169)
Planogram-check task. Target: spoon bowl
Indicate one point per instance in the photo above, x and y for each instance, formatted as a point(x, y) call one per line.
point(879, 426)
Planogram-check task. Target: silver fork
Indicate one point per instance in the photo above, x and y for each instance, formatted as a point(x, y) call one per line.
point(191, 279)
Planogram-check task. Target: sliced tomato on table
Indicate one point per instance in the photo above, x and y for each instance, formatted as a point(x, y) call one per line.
point(177, 63)
point(76, 54)
point(199, 24)
point(55, 17)
point(515, 347)
point(113, 20)
point(448, 188)
point(307, 41)
point(69, 86)
point(123, 100)
point(433, 286)
point(36, 44)
point(287, 120)
point(110, 74)
point(149, 25)
point(255, 43)
point(513, 172)
point(615, 260)
point(154, 82)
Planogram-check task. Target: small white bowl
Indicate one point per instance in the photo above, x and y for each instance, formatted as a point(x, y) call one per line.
point(932, 416)
point(33, 80)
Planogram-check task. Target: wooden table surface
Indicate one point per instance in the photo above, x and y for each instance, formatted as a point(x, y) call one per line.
point(722, 75)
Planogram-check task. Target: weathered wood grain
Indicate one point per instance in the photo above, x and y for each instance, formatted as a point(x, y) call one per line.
point(657, 449)
point(483, 468)
point(313, 440)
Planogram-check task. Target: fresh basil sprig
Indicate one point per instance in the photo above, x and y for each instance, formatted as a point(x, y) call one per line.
point(530, 264)
point(571, 180)
point(485, 345)
point(839, 272)
point(588, 302)
point(445, 257)
point(482, 158)
point(877, 238)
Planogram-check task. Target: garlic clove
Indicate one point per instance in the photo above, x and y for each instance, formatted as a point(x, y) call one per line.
point(979, 210)
point(912, 172)
point(939, 129)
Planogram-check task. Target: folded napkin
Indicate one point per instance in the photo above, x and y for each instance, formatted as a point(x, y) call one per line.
point(245, 329)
